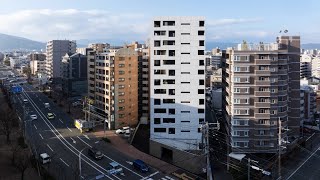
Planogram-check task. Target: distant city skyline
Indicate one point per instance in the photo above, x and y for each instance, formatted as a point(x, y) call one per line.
point(234, 21)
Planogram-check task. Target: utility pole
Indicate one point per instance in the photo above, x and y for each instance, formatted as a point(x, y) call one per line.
point(279, 149)
point(249, 166)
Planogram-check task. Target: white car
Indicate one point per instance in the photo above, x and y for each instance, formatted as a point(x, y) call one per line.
point(127, 133)
point(33, 117)
point(122, 130)
point(25, 100)
point(45, 158)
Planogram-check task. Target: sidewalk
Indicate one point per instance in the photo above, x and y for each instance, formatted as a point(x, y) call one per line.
point(123, 146)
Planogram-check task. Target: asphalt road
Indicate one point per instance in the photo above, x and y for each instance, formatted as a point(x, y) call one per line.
point(63, 142)
point(309, 169)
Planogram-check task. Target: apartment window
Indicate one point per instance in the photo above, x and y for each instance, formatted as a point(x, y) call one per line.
point(201, 62)
point(185, 130)
point(160, 91)
point(200, 91)
point(157, 63)
point(159, 33)
point(201, 23)
point(241, 111)
point(159, 52)
point(200, 52)
point(158, 71)
point(168, 23)
point(200, 71)
point(160, 130)
point(168, 101)
point(121, 108)
point(185, 62)
point(241, 69)
point(185, 53)
point(172, 52)
point(264, 121)
point(240, 122)
point(168, 120)
point(168, 42)
point(121, 115)
point(121, 65)
point(121, 79)
point(200, 33)
point(185, 102)
point(157, 43)
point(201, 43)
point(157, 120)
point(172, 92)
point(241, 58)
point(157, 23)
point(168, 62)
point(264, 89)
point(201, 120)
point(157, 82)
point(236, 101)
point(121, 72)
point(172, 72)
point(160, 110)
point(240, 144)
point(171, 33)
point(201, 82)
point(185, 72)
point(172, 130)
point(121, 93)
point(200, 111)
point(201, 101)
point(185, 24)
point(185, 112)
point(157, 101)
point(185, 82)
point(121, 101)
point(185, 43)
point(273, 112)
point(185, 92)
point(185, 33)
point(264, 111)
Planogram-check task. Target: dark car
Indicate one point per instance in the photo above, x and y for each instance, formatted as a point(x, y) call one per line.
point(95, 153)
point(140, 165)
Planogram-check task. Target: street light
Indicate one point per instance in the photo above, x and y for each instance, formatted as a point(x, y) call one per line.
point(80, 162)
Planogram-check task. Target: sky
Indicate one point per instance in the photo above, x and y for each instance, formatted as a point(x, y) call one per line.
point(129, 20)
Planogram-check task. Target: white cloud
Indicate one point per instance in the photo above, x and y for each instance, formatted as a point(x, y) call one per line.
point(231, 21)
point(46, 24)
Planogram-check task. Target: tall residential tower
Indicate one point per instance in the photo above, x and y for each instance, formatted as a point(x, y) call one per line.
point(177, 83)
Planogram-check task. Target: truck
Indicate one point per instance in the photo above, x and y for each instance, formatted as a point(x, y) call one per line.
point(83, 125)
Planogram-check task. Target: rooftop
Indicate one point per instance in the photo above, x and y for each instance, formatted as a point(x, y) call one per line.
point(244, 46)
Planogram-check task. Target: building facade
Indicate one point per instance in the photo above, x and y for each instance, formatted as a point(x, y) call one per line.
point(37, 66)
point(56, 49)
point(262, 92)
point(37, 56)
point(113, 85)
point(177, 81)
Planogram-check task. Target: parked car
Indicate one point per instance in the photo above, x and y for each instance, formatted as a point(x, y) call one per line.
point(140, 165)
point(127, 133)
point(45, 158)
point(50, 116)
point(25, 100)
point(33, 117)
point(46, 105)
point(122, 130)
point(95, 153)
point(114, 168)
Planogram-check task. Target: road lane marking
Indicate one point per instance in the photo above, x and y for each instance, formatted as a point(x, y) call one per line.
point(35, 126)
point(86, 136)
point(50, 147)
point(150, 175)
point(40, 136)
point(72, 148)
point(84, 142)
point(73, 140)
point(54, 114)
point(302, 164)
point(69, 129)
point(60, 121)
point(96, 142)
point(64, 162)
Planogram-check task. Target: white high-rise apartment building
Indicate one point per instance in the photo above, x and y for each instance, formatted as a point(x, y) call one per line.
point(177, 82)
point(56, 49)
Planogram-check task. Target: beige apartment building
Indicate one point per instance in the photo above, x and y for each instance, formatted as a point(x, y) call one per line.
point(262, 93)
point(113, 84)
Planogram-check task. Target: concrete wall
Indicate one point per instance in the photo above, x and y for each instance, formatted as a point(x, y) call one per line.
point(190, 162)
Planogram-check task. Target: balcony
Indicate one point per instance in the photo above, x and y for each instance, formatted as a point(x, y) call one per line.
point(262, 104)
point(262, 115)
point(263, 61)
point(262, 83)
point(263, 72)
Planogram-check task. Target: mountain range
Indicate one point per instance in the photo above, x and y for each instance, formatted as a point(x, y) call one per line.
point(9, 43)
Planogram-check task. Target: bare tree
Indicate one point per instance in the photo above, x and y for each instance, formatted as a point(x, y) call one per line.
point(23, 161)
point(7, 122)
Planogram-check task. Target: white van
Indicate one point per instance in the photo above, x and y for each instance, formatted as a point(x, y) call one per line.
point(45, 158)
